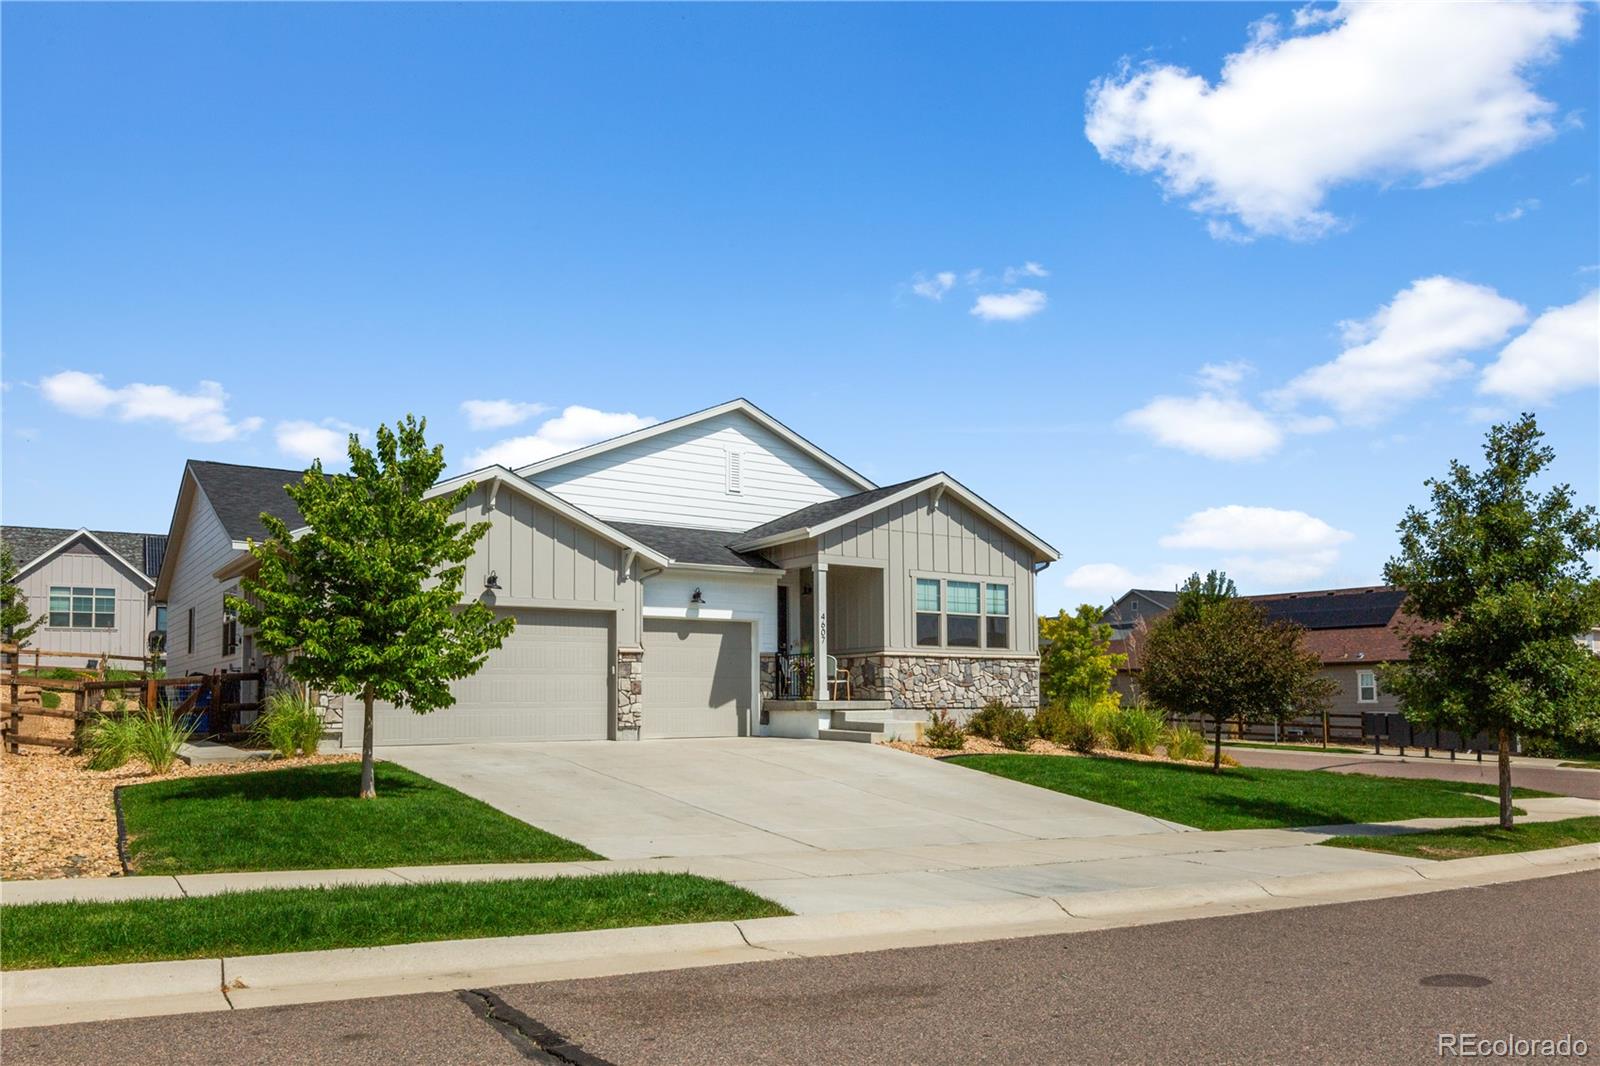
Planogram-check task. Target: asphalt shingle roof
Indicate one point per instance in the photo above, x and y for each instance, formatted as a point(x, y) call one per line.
point(817, 513)
point(240, 493)
point(708, 547)
point(142, 551)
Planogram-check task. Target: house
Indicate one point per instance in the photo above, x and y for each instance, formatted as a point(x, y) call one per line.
point(92, 586)
point(1352, 631)
point(674, 582)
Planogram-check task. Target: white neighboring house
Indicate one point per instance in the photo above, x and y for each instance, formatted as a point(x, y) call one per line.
point(674, 582)
point(92, 586)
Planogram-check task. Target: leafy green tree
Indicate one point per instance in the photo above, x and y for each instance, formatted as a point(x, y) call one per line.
point(367, 601)
point(1495, 573)
point(16, 620)
point(1075, 657)
point(1221, 659)
point(1197, 593)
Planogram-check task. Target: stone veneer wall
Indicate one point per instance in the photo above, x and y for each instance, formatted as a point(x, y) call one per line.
point(630, 693)
point(959, 684)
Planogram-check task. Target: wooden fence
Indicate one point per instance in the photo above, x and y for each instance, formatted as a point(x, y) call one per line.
point(1334, 727)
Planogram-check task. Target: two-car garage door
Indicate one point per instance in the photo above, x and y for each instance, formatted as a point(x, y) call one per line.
point(550, 680)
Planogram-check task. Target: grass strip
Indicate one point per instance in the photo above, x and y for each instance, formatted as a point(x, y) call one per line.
point(309, 919)
point(1318, 748)
point(309, 818)
point(1242, 797)
point(1468, 841)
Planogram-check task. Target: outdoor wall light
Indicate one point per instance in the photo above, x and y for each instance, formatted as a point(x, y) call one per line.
point(697, 599)
point(492, 581)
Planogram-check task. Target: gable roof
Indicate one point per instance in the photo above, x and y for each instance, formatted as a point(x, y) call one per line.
point(240, 493)
point(818, 518)
point(695, 547)
point(1166, 599)
point(33, 546)
point(739, 405)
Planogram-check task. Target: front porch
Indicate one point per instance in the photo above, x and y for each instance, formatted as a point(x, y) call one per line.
point(863, 721)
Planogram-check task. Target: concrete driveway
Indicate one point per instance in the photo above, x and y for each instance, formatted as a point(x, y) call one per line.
point(757, 796)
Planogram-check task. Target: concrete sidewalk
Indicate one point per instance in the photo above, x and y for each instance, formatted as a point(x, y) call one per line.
point(44, 997)
point(811, 881)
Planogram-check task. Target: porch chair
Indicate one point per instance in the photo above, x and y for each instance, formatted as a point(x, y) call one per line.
point(836, 678)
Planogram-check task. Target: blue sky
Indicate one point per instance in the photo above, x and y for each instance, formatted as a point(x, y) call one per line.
point(1168, 308)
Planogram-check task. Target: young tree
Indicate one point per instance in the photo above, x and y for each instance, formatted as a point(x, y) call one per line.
point(1495, 571)
point(367, 601)
point(1074, 655)
point(1197, 593)
point(1221, 659)
point(16, 620)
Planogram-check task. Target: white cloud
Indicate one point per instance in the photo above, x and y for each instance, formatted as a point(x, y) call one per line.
point(200, 415)
point(573, 428)
point(328, 440)
point(1517, 210)
point(1214, 425)
point(1103, 582)
point(1261, 544)
point(1030, 269)
point(934, 288)
point(1009, 306)
point(1560, 352)
point(496, 414)
point(1410, 347)
point(1420, 92)
point(1224, 375)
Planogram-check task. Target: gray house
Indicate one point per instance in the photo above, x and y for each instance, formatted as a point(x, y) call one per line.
point(688, 579)
point(93, 587)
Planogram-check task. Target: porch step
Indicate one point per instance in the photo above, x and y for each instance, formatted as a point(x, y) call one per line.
point(868, 732)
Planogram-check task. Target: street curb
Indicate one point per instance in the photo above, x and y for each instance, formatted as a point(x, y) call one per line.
point(84, 993)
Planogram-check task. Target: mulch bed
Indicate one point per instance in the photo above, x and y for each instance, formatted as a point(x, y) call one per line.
point(57, 818)
point(982, 746)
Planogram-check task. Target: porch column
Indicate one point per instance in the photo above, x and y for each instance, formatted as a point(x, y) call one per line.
point(819, 644)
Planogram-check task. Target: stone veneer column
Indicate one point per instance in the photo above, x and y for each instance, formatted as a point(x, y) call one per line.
point(959, 684)
point(630, 694)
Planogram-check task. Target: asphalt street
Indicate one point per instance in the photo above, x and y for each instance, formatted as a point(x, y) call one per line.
point(1584, 784)
point(1349, 983)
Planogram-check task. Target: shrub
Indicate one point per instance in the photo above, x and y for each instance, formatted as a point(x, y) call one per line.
point(157, 737)
point(1017, 732)
point(989, 721)
point(1050, 722)
point(290, 723)
point(1135, 729)
point(1185, 744)
point(1085, 725)
point(109, 740)
point(942, 732)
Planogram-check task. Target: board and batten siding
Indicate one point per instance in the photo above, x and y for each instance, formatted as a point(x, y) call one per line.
point(84, 564)
point(205, 546)
point(544, 560)
point(680, 477)
point(916, 538)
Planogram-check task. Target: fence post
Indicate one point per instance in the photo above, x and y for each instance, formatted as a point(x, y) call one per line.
point(150, 695)
point(1324, 729)
point(217, 717)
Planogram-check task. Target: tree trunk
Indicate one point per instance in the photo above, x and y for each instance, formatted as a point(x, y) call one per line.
point(1216, 750)
point(1505, 778)
point(369, 785)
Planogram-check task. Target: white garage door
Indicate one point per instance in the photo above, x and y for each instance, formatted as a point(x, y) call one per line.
point(697, 678)
point(550, 680)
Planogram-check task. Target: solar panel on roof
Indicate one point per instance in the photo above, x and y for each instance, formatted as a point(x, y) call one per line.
point(1348, 611)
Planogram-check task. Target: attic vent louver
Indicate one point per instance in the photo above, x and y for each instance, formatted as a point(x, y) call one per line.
point(735, 473)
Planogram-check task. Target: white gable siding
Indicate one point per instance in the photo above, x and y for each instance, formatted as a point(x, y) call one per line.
point(681, 478)
point(205, 547)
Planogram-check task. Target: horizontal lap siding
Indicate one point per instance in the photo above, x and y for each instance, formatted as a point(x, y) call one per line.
point(205, 546)
point(680, 478)
point(745, 596)
point(950, 540)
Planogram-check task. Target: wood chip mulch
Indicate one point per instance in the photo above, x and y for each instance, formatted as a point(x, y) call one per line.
point(57, 818)
point(982, 746)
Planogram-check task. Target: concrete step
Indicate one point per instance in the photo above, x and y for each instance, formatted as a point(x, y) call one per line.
point(875, 732)
point(842, 719)
point(858, 736)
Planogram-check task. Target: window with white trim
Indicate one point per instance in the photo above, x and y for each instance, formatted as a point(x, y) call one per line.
point(1366, 686)
point(956, 613)
point(72, 607)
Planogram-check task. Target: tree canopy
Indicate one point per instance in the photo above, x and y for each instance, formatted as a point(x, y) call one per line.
point(1075, 659)
point(1495, 574)
point(367, 600)
point(17, 622)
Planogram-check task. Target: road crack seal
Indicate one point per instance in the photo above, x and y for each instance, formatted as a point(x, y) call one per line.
point(538, 1042)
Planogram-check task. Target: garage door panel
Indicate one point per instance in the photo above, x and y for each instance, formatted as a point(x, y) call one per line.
point(550, 680)
point(697, 678)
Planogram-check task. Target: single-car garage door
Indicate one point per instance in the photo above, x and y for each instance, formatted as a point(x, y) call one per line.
point(550, 680)
point(697, 678)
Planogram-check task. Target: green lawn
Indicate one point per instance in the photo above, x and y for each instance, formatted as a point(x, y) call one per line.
point(309, 919)
point(1479, 839)
point(1582, 764)
point(1318, 748)
point(1241, 797)
point(309, 818)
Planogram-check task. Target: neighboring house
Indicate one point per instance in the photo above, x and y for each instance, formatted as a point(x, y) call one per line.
point(92, 586)
point(1353, 632)
point(658, 577)
point(1135, 606)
